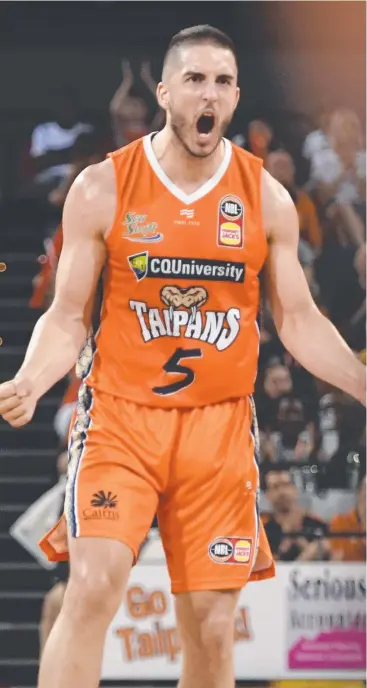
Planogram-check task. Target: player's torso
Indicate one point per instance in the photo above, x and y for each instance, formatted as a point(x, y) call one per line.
point(181, 293)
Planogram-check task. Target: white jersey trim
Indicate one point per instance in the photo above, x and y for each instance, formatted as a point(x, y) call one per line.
point(175, 190)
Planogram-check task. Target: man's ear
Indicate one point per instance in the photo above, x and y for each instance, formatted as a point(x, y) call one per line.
point(238, 95)
point(162, 96)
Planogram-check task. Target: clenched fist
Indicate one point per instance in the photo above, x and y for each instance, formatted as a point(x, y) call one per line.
point(17, 402)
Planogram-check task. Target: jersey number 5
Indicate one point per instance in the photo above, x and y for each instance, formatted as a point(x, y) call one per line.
point(173, 366)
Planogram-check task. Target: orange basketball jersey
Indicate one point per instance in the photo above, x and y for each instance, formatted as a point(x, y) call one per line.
point(181, 291)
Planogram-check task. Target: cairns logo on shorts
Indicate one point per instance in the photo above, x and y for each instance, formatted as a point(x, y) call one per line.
point(183, 318)
point(232, 550)
point(104, 505)
point(230, 222)
point(139, 230)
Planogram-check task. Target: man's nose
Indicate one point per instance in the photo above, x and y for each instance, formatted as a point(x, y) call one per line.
point(210, 92)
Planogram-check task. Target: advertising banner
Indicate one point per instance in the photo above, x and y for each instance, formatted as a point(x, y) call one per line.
point(307, 623)
point(326, 618)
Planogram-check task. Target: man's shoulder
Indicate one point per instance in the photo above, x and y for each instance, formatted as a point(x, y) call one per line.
point(101, 176)
point(314, 523)
point(92, 197)
point(128, 149)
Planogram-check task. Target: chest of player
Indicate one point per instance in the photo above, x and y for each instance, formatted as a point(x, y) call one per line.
point(218, 239)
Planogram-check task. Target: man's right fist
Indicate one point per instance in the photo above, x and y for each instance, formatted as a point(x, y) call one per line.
point(17, 402)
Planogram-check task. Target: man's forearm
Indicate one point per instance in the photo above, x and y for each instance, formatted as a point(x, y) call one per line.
point(317, 346)
point(52, 352)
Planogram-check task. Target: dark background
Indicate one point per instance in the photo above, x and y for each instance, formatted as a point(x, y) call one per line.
point(291, 55)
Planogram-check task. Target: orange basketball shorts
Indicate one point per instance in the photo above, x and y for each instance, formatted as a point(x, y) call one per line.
point(196, 468)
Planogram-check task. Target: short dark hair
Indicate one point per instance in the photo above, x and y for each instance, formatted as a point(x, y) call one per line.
point(203, 33)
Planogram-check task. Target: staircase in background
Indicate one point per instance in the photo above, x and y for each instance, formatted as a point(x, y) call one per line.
point(27, 462)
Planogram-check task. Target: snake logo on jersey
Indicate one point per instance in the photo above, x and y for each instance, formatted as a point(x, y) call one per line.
point(183, 318)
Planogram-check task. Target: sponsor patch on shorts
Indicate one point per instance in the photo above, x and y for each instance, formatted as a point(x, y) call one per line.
point(231, 550)
point(103, 507)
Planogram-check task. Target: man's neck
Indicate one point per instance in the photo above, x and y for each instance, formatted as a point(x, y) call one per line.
point(185, 170)
point(292, 517)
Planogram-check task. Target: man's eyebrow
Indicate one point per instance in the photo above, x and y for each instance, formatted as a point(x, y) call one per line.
point(191, 72)
point(230, 77)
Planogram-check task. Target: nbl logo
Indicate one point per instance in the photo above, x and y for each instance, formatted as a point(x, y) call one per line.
point(231, 208)
point(230, 222)
point(231, 550)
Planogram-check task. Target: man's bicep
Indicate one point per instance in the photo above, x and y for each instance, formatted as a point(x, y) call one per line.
point(286, 284)
point(83, 253)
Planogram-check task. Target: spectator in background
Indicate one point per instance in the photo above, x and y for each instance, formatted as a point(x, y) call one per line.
point(351, 549)
point(356, 334)
point(281, 166)
point(349, 223)
point(328, 422)
point(339, 171)
point(291, 432)
point(317, 140)
point(129, 111)
point(53, 141)
point(289, 517)
point(338, 274)
point(286, 398)
point(259, 139)
point(348, 463)
point(277, 381)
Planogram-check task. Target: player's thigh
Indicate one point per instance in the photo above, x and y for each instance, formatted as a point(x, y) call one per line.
point(111, 493)
point(209, 518)
point(99, 568)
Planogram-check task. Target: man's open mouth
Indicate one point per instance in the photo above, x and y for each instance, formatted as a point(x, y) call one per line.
point(205, 124)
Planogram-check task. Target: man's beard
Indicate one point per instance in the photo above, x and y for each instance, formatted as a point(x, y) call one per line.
point(178, 125)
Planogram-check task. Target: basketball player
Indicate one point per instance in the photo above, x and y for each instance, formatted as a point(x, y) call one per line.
point(183, 222)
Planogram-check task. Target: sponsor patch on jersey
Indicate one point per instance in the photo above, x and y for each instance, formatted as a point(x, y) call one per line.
point(231, 550)
point(144, 265)
point(139, 230)
point(139, 264)
point(230, 222)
